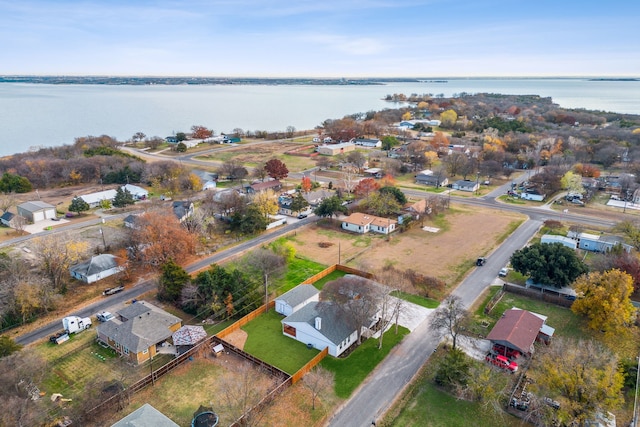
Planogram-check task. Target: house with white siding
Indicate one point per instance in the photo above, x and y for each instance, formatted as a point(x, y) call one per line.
point(293, 300)
point(359, 222)
point(97, 268)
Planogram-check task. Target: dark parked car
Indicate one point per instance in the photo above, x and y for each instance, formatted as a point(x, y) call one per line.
point(480, 261)
point(302, 216)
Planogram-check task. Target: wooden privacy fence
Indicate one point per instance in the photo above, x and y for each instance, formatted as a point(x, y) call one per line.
point(313, 279)
point(309, 366)
point(536, 293)
point(243, 321)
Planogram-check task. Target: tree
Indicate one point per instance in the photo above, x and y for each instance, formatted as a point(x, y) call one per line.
point(452, 317)
point(396, 193)
point(10, 183)
point(448, 118)
point(159, 238)
point(181, 136)
point(305, 184)
point(453, 371)
point(455, 162)
point(200, 132)
point(172, 280)
point(365, 187)
point(27, 300)
point(439, 141)
point(604, 298)
point(250, 221)
point(78, 205)
point(298, 203)
point(266, 202)
point(382, 204)
point(357, 158)
point(138, 136)
point(291, 131)
point(318, 381)
point(388, 142)
point(57, 254)
point(233, 170)
point(260, 172)
point(268, 265)
point(330, 206)
point(181, 147)
point(583, 376)
point(357, 299)
point(631, 231)
point(572, 182)
point(123, 198)
point(276, 169)
point(548, 263)
point(8, 346)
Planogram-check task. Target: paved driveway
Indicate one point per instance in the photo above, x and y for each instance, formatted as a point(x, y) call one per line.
point(411, 315)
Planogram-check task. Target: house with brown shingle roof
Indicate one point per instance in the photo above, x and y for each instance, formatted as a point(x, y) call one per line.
point(359, 222)
point(517, 329)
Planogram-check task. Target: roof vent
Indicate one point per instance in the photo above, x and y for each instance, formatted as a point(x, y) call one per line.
point(318, 323)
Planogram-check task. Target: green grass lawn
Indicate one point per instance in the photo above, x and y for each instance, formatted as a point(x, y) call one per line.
point(336, 274)
point(416, 299)
point(351, 371)
point(565, 322)
point(431, 407)
point(266, 341)
point(298, 270)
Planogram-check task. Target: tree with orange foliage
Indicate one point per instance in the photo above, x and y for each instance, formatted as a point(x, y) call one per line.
point(200, 132)
point(158, 237)
point(439, 141)
point(366, 187)
point(387, 181)
point(305, 185)
point(590, 171)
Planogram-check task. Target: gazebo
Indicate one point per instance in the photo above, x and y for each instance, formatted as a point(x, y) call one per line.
point(188, 336)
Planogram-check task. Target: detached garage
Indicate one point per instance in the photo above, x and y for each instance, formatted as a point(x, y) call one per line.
point(36, 211)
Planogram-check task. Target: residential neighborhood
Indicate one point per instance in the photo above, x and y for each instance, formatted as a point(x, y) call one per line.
point(329, 268)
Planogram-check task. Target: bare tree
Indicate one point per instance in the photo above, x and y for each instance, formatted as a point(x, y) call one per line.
point(451, 316)
point(349, 178)
point(7, 200)
point(268, 264)
point(318, 381)
point(19, 374)
point(356, 298)
point(243, 387)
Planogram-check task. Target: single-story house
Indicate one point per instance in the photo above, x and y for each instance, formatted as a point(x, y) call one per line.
point(138, 330)
point(359, 222)
point(427, 177)
point(12, 220)
point(182, 209)
point(95, 199)
point(466, 185)
point(36, 211)
point(335, 149)
point(598, 242)
point(131, 221)
point(257, 187)
point(138, 193)
point(145, 416)
point(320, 328)
point(209, 185)
point(293, 300)
point(517, 329)
point(285, 200)
point(554, 238)
point(97, 268)
point(368, 142)
point(416, 209)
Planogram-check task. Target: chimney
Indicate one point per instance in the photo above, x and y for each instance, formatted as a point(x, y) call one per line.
point(318, 323)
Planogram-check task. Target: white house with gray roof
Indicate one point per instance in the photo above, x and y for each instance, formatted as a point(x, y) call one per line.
point(293, 300)
point(320, 328)
point(138, 330)
point(95, 199)
point(97, 268)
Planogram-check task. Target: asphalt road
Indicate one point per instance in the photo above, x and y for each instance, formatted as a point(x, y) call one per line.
point(134, 292)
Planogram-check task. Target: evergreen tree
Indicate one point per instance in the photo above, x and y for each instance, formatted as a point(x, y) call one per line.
point(172, 281)
point(123, 198)
point(78, 205)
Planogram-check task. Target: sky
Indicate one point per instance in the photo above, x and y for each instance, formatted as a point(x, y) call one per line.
point(321, 38)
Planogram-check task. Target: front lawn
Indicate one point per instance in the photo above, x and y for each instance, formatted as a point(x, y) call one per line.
point(416, 299)
point(266, 342)
point(351, 371)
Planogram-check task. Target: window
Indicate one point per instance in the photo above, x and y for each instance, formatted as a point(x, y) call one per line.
point(145, 351)
point(126, 350)
point(290, 330)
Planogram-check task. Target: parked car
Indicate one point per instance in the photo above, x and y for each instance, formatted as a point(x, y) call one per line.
point(302, 216)
point(105, 316)
point(481, 261)
point(503, 272)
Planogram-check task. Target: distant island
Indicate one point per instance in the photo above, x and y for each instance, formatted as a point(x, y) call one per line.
point(111, 80)
point(625, 79)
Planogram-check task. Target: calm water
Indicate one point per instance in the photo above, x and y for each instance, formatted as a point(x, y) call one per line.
point(34, 115)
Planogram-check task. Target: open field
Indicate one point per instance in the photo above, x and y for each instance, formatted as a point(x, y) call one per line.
point(447, 254)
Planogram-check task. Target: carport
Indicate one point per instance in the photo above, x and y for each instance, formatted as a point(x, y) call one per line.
point(517, 329)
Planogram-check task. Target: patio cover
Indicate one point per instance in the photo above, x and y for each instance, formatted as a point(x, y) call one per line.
point(189, 335)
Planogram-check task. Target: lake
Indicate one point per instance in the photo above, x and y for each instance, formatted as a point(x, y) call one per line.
point(34, 115)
